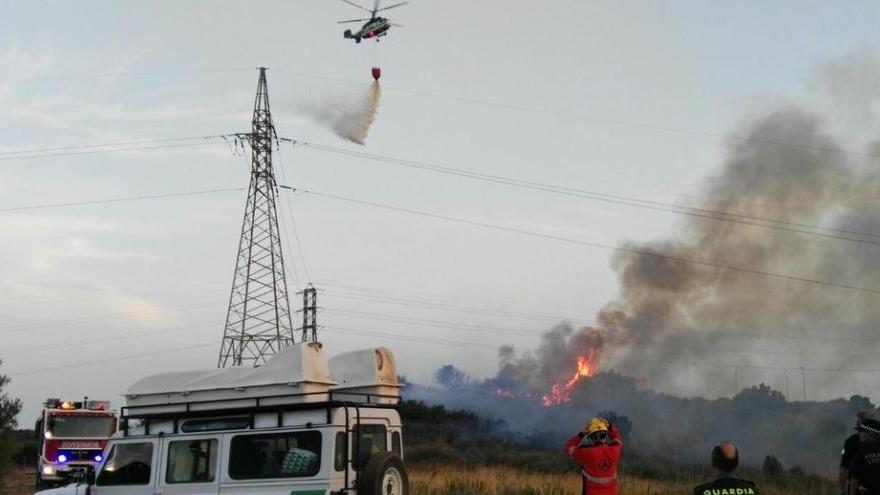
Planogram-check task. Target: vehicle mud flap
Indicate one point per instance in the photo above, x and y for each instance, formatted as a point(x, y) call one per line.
point(384, 474)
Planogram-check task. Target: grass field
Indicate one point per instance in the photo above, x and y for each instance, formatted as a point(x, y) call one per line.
point(17, 483)
point(447, 480)
point(444, 480)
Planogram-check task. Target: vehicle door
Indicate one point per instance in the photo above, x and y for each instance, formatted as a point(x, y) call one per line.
point(189, 465)
point(279, 462)
point(129, 469)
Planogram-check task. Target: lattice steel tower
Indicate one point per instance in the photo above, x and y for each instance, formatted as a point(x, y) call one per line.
point(258, 322)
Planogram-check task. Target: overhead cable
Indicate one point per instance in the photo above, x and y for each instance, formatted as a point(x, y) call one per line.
point(118, 200)
point(640, 252)
point(703, 213)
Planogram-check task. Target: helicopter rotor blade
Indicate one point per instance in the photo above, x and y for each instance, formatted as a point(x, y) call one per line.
point(392, 6)
point(356, 5)
point(353, 20)
point(375, 7)
point(396, 24)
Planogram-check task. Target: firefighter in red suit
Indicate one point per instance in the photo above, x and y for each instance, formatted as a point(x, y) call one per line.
point(597, 450)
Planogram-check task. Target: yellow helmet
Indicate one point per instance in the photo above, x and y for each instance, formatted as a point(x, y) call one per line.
point(596, 424)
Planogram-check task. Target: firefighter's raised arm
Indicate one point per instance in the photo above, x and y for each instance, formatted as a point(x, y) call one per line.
point(614, 435)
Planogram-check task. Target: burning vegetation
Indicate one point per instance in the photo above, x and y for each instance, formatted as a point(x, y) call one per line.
point(560, 393)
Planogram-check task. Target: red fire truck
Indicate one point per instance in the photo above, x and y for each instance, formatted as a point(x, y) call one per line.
point(72, 439)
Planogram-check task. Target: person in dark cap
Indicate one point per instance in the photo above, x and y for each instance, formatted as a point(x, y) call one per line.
point(865, 468)
point(850, 448)
point(725, 458)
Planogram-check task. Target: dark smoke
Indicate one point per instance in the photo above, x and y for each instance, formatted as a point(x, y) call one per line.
point(670, 315)
point(671, 311)
point(687, 326)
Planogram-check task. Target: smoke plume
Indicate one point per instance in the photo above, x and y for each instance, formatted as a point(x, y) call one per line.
point(349, 115)
point(688, 328)
point(690, 325)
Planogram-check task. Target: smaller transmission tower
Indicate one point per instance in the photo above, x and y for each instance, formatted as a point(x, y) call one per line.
point(258, 322)
point(310, 314)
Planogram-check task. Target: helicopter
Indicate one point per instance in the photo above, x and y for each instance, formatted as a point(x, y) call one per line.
point(375, 26)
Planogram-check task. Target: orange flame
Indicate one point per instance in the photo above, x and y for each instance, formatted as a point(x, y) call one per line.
point(499, 392)
point(561, 392)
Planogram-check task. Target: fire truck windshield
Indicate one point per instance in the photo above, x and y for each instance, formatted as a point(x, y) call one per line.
point(82, 426)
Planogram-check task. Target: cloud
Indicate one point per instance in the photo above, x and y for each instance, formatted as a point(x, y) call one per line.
point(79, 248)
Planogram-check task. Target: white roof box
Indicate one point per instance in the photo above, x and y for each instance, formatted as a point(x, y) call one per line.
point(368, 375)
point(297, 374)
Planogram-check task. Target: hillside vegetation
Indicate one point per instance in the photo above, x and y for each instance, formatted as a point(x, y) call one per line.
point(456, 452)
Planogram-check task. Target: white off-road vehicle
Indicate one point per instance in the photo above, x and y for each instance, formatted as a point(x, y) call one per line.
point(299, 425)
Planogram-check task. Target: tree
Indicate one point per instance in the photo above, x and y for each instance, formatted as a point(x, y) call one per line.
point(449, 377)
point(772, 466)
point(9, 409)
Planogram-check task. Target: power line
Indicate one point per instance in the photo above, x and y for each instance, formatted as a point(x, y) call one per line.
point(703, 213)
point(287, 202)
point(101, 317)
point(93, 362)
point(640, 252)
point(110, 150)
point(106, 145)
point(463, 344)
point(593, 117)
point(443, 306)
point(99, 75)
point(369, 296)
point(444, 342)
point(408, 319)
point(119, 200)
point(103, 339)
point(410, 338)
point(527, 333)
point(434, 323)
point(470, 100)
point(697, 212)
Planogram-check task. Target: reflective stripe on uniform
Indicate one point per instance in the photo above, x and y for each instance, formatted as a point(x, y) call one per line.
point(599, 481)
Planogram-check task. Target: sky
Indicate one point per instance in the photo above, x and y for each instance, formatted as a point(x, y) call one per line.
point(627, 98)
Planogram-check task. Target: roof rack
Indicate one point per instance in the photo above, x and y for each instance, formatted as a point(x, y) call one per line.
point(297, 378)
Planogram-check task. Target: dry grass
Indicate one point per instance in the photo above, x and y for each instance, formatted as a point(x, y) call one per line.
point(443, 480)
point(17, 483)
point(507, 481)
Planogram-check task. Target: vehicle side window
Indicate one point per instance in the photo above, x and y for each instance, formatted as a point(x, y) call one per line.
point(276, 455)
point(127, 464)
point(191, 461)
point(341, 452)
point(196, 425)
point(395, 443)
point(370, 439)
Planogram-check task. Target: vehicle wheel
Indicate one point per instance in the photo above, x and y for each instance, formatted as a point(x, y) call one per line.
point(384, 474)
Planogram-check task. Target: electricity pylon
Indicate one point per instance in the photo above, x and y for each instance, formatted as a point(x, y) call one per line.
point(258, 322)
